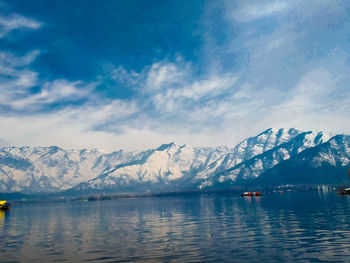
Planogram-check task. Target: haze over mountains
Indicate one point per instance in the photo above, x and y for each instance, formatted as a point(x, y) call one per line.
point(274, 157)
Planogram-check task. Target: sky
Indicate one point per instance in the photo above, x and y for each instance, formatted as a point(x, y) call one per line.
point(132, 74)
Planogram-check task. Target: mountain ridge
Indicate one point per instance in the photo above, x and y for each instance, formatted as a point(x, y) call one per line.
point(165, 168)
point(310, 165)
point(267, 160)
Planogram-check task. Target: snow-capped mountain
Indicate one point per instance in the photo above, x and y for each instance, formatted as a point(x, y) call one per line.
point(326, 163)
point(259, 144)
point(258, 164)
point(183, 167)
point(47, 169)
point(169, 167)
point(247, 149)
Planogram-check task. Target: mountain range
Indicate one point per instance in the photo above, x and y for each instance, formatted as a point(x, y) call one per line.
point(273, 157)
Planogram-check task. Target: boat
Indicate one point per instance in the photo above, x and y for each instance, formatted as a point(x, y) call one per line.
point(344, 191)
point(4, 205)
point(251, 194)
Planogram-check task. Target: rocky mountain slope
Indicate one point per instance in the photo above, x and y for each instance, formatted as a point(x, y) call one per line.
point(246, 171)
point(249, 148)
point(47, 169)
point(175, 167)
point(326, 163)
point(169, 167)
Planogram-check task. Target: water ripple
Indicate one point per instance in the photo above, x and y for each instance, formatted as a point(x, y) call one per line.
point(181, 229)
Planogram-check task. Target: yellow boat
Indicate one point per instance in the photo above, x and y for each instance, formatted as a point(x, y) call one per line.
point(4, 205)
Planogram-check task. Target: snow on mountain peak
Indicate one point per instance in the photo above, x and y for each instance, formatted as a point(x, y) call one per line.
point(167, 167)
point(259, 163)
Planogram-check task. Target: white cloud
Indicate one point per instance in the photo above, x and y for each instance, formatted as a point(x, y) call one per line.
point(122, 75)
point(15, 21)
point(189, 94)
point(211, 111)
point(319, 101)
point(17, 79)
point(51, 92)
point(70, 127)
point(281, 82)
point(10, 61)
point(171, 87)
point(248, 11)
point(175, 109)
point(163, 74)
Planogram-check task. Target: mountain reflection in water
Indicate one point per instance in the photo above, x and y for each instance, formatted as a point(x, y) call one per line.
point(310, 226)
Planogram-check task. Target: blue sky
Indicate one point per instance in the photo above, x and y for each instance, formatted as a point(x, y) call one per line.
point(136, 74)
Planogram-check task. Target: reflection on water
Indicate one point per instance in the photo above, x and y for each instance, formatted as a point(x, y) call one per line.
point(2, 217)
point(273, 228)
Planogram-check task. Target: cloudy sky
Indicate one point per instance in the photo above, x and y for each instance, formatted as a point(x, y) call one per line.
point(134, 74)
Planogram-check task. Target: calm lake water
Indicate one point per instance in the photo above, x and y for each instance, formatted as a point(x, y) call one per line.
point(290, 227)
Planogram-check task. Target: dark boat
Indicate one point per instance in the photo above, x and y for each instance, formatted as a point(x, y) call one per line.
point(4, 205)
point(251, 194)
point(344, 191)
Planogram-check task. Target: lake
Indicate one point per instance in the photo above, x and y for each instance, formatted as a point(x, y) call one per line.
point(288, 227)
